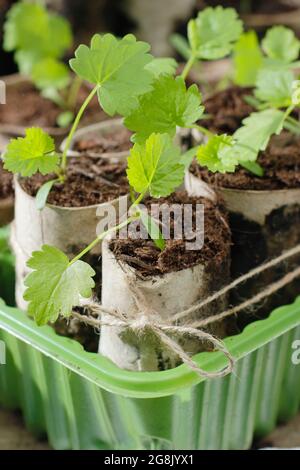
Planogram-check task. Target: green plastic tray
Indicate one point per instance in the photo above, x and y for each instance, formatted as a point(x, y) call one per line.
point(82, 401)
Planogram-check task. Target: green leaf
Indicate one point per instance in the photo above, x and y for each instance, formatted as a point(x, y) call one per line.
point(59, 37)
point(26, 60)
point(210, 154)
point(118, 67)
point(19, 32)
point(50, 73)
point(31, 28)
point(153, 230)
point(164, 108)
point(65, 118)
point(213, 33)
point(32, 153)
point(247, 59)
point(275, 87)
point(254, 168)
point(255, 134)
point(162, 66)
point(154, 166)
point(55, 285)
point(296, 92)
point(43, 193)
point(280, 43)
point(181, 45)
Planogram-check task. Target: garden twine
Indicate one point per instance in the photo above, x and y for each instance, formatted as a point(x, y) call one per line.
point(146, 319)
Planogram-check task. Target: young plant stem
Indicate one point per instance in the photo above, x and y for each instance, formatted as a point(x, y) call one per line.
point(202, 129)
point(294, 123)
point(74, 127)
point(101, 236)
point(289, 110)
point(188, 67)
point(73, 93)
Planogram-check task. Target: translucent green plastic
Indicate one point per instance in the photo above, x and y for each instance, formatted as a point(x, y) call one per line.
point(82, 401)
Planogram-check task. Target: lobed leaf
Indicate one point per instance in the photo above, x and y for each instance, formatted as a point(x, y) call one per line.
point(50, 73)
point(55, 285)
point(118, 67)
point(164, 108)
point(255, 134)
point(210, 155)
point(32, 153)
point(155, 167)
point(280, 43)
point(275, 87)
point(162, 66)
point(213, 33)
point(32, 29)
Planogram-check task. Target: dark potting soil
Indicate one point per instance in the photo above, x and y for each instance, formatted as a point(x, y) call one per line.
point(117, 141)
point(26, 107)
point(228, 108)
point(6, 183)
point(149, 260)
point(89, 181)
point(281, 162)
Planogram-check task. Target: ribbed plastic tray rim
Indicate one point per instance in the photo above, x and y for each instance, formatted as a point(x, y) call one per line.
point(102, 372)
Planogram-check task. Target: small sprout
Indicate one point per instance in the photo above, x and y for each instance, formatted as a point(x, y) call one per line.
point(210, 154)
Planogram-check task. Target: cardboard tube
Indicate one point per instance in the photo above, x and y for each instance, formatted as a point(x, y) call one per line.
point(167, 295)
point(68, 228)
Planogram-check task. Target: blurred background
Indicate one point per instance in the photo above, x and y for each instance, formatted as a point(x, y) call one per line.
point(154, 20)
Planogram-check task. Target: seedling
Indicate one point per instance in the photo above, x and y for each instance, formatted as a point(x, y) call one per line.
point(125, 78)
point(155, 169)
point(278, 95)
point(279, 50)
point(112, 66)
point(40, 40)
point(211, 36)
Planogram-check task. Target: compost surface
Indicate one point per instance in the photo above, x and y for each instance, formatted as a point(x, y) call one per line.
point(117, 141)
point(89, 181)
point(281, 163)
point(228, 108)
point(149, 260)
point(26, 107)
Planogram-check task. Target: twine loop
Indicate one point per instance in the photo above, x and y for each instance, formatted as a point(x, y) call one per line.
point(168, 329)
